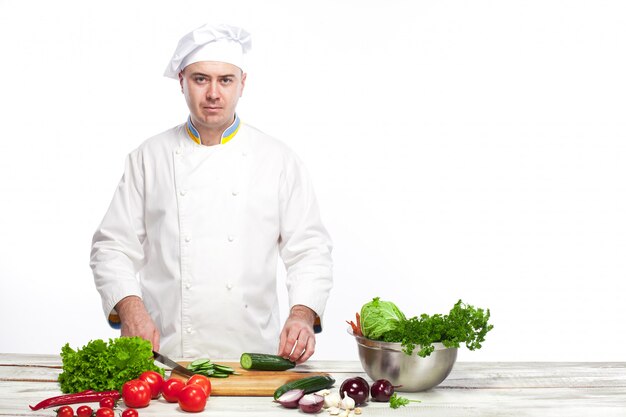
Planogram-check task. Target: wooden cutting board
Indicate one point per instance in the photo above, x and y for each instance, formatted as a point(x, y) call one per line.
point(251, 383)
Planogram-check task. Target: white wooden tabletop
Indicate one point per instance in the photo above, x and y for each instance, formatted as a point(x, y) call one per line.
point(518, 389)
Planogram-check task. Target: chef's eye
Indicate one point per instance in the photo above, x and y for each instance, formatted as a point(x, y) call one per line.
point(200, 79)
point(227, 80)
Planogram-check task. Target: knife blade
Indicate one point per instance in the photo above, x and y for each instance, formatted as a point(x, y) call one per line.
point(175, 366)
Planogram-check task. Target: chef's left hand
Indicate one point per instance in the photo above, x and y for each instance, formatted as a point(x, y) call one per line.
point(297, 340)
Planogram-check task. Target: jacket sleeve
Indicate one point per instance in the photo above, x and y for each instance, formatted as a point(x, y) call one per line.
point(117, 247)
point(305, 246)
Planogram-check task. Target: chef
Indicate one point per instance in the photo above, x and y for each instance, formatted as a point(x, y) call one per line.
point(186, 254)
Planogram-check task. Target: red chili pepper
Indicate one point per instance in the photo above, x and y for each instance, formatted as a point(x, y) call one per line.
point(79, 397)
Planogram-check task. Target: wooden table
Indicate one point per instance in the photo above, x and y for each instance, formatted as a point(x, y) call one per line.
point(472, 389)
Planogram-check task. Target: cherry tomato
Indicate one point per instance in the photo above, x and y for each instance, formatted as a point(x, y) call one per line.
point(154, 380)
point(202, 381)
point(65, 411)
point(84, 411)
point(192, 398)
point(130, 412)
point(107, 402)
point(171, 389)
point(105, 412)
point(136, 393)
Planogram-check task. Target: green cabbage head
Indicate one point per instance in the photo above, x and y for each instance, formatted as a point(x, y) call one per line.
point(379, 317)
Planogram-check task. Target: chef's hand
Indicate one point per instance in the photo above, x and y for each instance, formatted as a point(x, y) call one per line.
point(297, 340)
point(136, 321)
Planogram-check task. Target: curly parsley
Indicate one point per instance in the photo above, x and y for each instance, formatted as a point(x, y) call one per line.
point(463, 324)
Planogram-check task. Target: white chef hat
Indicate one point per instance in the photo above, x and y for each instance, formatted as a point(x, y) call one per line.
point(223, 43)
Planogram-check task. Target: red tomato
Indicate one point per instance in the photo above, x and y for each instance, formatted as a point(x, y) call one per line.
point(105, 412)
point(136, 393)
point(202, 381)
point(171, 389)
point(107, 402)
point(154, 380)
point(65, 411)
point(192, 398)
point(84, 411)
point(130, 412)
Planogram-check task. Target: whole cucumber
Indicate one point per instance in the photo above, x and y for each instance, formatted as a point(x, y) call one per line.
point(265, 362)
point(309, 384)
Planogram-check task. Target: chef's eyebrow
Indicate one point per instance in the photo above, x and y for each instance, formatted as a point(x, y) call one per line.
point(201, 74)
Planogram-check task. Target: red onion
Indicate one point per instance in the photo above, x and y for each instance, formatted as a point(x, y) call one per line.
point(382, 390)
point(290, 398)
point(356, 388)
point(311, 403)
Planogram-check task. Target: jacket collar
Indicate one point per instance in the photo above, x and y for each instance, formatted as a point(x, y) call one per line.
point(228, 134)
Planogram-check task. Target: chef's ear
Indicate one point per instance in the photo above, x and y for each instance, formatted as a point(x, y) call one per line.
point(244, 75)
point(180, 79)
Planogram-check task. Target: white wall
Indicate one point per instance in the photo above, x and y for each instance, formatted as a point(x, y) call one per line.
point(460, 149)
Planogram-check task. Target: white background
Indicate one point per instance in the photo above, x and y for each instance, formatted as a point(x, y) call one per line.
point(459, 149)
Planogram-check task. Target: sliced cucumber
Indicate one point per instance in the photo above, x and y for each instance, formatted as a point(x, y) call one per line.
point(207, 368)
point(200, 363)
point(223, 369)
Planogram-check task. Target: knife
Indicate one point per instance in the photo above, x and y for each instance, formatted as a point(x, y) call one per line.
point(175, 366)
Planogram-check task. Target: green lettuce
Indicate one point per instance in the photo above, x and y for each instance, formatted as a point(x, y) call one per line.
point(100, 366)
point(379, 317)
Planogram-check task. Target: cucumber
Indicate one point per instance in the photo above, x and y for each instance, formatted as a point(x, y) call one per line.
point(207, 368)
point(309, 384)
point(265, 362)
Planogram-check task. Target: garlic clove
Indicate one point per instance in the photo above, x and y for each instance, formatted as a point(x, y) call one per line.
point(333, 411)
point(332, 400)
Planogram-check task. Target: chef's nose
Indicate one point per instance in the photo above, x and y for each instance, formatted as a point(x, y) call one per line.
point(212, 90)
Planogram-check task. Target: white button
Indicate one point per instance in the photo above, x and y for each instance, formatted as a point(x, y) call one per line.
point(183, 192)
point(187, 239)
point(188, 285)
point(244, 153)
point(231, 238)
point(235, 193)
point(189, 330)
point(179, 151)
point(229, 286)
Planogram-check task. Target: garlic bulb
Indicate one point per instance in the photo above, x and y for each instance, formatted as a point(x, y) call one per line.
point(348, 402)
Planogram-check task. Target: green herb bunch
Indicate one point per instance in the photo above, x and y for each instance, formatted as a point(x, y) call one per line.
point(463, 324)
point(397, 401)
point(100, 366)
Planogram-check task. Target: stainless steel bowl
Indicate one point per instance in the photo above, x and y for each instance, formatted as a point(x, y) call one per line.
point(382, 360)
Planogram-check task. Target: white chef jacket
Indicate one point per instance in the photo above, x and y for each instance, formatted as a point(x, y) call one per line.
point(195, 231)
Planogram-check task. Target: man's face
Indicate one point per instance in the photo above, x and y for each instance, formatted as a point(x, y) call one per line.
point(212, 90)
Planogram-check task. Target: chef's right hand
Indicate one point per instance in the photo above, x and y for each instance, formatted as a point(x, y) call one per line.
point(136, 321)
